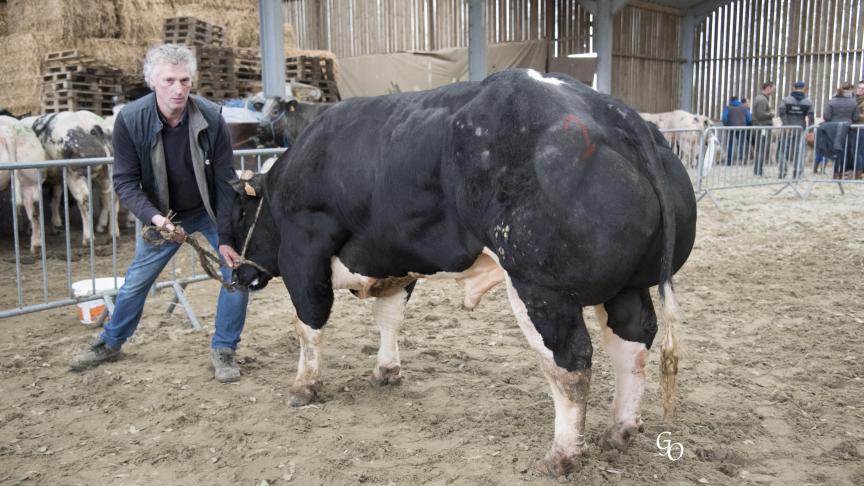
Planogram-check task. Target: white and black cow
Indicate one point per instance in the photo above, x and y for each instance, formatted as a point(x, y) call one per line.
point(79, 135)
point(283, 120)
point(564, 193)
point(18, 143)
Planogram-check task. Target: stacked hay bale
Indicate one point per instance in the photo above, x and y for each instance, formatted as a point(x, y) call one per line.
point(115, 33)
point(72, 81)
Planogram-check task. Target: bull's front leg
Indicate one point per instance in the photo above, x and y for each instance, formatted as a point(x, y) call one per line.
point(307, 383)
point(629, 325)
point(389, 312)
point(554, 327)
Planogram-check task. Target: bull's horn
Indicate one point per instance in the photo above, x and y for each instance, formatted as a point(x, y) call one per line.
point(246, 175)
point(250, 191)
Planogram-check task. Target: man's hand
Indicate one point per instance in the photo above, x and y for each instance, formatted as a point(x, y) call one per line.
point(229, 255)
point(177, 234)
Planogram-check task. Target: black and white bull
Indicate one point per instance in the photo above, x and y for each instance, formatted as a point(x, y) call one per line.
point(283, 120)
point(564, 193)
point(79, 135)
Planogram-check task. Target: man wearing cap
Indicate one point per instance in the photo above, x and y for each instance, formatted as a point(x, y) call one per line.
point(795, 110)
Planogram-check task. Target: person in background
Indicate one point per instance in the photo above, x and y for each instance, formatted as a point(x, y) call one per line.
point(736, 114)
point(795, 110)
point(172, 153)
point(840, 112)
point(763, 117)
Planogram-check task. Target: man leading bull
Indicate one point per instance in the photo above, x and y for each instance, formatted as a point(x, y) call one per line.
point(172, 153)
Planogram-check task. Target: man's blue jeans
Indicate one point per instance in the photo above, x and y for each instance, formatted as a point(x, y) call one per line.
point(144, 270)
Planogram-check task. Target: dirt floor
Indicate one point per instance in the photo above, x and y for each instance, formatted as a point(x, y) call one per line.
point(770, 385)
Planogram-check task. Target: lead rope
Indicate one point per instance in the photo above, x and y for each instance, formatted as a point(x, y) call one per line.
point(242, 260)
point(210, 262)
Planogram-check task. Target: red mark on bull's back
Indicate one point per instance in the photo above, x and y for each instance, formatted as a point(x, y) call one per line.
point(590, 148)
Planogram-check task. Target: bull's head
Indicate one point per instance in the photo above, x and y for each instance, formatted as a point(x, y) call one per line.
point(272, 130)
point(254, 231)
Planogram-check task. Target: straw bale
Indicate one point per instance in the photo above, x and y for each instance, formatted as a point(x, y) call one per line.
point(20, 81)
point(69, 19)
point(117, 53)
point(3, 24)
point(140, 21)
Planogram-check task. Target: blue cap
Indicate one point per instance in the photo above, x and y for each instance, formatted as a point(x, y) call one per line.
point(800, 84)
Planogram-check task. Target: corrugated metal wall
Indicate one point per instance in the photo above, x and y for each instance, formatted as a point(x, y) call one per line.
point(750, 41)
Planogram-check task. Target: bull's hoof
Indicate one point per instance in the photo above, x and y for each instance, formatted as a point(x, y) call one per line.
point(387, 376)
point(620, 436)
point(301, 395)
point(557, 464)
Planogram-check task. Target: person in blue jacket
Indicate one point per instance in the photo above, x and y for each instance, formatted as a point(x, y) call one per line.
point(736, 114)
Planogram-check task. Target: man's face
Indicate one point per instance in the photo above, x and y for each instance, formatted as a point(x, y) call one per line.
point(769, 90)
point(860, 90)
point(172, 83)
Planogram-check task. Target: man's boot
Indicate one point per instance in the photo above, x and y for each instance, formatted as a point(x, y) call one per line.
point(99, 352)
point(225, 369)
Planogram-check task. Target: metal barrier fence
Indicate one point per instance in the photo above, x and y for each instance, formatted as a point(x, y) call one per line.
point(721, 158)
point(44, 287)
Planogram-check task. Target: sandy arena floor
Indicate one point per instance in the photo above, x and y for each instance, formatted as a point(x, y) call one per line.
point(770, 387)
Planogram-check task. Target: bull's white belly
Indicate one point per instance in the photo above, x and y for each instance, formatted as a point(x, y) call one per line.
point(480, 277)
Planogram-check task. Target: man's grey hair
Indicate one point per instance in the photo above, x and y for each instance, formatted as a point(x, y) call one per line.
point(168, 54)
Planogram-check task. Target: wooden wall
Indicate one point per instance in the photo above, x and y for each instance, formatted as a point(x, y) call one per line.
point(735, 48)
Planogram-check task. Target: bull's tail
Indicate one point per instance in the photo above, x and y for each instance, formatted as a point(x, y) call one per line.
point(656, 173)
point(668, 350)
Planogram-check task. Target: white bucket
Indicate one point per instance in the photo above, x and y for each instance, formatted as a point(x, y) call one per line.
point(89, 312)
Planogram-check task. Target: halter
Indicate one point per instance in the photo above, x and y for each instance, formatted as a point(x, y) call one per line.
point(272, 123)
point(242, 260)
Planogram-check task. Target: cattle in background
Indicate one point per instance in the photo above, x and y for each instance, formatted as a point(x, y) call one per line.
point(686, 143)
point(79, 135)
point(564, 193)
point(283, 120)
point(18, 143)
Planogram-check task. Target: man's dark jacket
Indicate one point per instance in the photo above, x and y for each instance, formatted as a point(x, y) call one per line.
point(140, 175)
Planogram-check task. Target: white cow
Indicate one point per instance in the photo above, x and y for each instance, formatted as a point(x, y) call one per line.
point(77, 135)
point(686, 143)
point(18, 143)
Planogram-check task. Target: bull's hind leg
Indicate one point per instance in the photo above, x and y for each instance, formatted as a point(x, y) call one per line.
point(554, 326)
point(629, 325)
point(389, 312)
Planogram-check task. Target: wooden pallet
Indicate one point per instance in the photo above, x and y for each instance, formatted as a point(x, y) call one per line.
point(192, 32)
point(74, 81)
point(217, 94)
point(305, 68)
point(78, 85)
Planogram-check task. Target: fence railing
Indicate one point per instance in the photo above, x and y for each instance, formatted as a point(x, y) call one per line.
point(719, 158)
point(47, 268)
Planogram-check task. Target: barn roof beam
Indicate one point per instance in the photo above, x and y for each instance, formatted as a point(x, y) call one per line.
point(477, 40)
point(603, 11)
